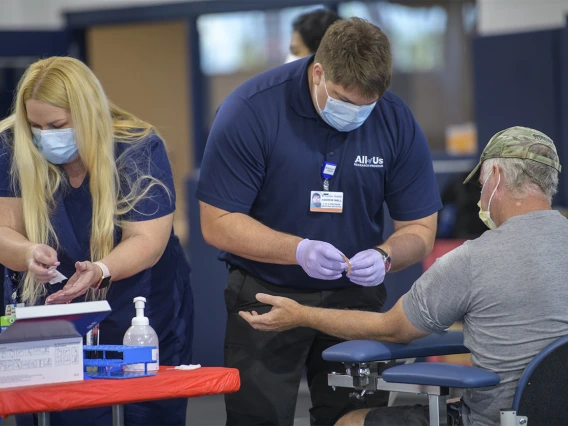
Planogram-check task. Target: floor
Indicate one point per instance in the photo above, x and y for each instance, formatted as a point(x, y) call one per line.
point(210, 410)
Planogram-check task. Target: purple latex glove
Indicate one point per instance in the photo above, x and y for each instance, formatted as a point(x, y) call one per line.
point(320, 260)
point(367, 268)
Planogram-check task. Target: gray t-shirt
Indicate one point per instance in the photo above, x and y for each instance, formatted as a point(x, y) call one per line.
point(510, 288)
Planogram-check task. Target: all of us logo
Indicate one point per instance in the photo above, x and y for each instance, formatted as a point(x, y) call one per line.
point(364, 161)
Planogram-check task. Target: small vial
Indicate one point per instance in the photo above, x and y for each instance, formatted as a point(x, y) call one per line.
point(92, 339)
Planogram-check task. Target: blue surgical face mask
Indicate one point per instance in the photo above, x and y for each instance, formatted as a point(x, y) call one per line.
point(58, 146)
point(341, 115)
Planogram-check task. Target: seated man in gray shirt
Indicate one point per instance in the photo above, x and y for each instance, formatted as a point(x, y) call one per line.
point(508, 286)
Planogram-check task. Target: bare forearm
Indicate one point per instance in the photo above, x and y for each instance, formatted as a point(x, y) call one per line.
point(286, 314)
point(14, 249)
point(408, 246)
point(246, 237)
point(130, 257)
point(348, 325)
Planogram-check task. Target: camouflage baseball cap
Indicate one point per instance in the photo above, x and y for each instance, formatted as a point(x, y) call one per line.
point(518, 142)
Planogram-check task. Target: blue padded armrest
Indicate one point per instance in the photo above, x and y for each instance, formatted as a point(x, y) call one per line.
point(444, 343)
point(441, 374)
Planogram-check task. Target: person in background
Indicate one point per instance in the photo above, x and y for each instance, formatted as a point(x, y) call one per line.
point(457, 219)
point(307, 31)
point(86, 188)
point(509, 285)
point(324, 124)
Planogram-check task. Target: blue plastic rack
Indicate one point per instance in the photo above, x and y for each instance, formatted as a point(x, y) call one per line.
point(113, 368)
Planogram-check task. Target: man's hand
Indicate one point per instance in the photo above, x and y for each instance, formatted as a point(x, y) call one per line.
point(87, 274)
point(284, 315)
point(320, 260)
point(367, 268)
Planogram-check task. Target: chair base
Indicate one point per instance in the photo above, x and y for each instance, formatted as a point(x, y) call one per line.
point(510, 418)
point(371, 382)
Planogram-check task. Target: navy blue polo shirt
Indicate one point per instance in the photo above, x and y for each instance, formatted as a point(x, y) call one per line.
point(264, 156)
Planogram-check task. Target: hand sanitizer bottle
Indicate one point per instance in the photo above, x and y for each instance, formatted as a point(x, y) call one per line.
point(141, 334)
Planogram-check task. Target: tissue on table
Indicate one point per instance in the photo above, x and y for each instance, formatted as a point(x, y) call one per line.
point(188, 367)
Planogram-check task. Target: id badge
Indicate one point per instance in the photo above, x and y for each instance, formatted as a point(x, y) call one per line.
point(326, 202)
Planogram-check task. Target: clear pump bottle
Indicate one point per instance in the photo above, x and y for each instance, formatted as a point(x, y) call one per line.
point(142, 334)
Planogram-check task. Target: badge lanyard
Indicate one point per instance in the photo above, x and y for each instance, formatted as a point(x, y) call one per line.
point(327, 172)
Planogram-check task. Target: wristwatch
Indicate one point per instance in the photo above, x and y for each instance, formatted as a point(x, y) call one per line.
point(386, 258)
point(105, 279)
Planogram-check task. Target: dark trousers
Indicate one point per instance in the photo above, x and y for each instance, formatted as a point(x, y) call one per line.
point(415, 415)
point(270, 364)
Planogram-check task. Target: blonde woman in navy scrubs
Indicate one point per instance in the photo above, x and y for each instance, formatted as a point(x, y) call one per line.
point(87, 188)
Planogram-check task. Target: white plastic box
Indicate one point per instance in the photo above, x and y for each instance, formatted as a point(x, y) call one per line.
point(45, 344)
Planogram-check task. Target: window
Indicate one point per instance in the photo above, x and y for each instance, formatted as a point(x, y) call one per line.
point(431, 59)
point(416, 33)
point(231, 42)
point(245, 41)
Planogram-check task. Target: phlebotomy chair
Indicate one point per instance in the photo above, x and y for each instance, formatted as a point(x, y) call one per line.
point(541, 395)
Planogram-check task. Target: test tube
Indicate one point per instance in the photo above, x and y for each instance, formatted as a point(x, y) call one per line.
point(92, 339)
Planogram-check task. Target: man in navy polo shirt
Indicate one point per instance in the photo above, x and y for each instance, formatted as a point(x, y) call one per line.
point(325, 125)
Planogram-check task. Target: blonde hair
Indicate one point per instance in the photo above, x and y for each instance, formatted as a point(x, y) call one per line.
point(98, 124)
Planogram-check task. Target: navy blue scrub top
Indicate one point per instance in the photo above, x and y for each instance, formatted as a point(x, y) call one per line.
point(165, 286)
point(265, 153)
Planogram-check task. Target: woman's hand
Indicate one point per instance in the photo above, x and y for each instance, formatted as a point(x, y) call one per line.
point(87, 275)
point(39, 259)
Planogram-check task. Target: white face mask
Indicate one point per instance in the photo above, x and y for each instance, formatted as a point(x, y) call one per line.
point(291, 58)
point(485, 215)
point(341, 115)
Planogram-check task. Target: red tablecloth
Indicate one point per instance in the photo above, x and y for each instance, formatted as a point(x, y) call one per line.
point(99, 393)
